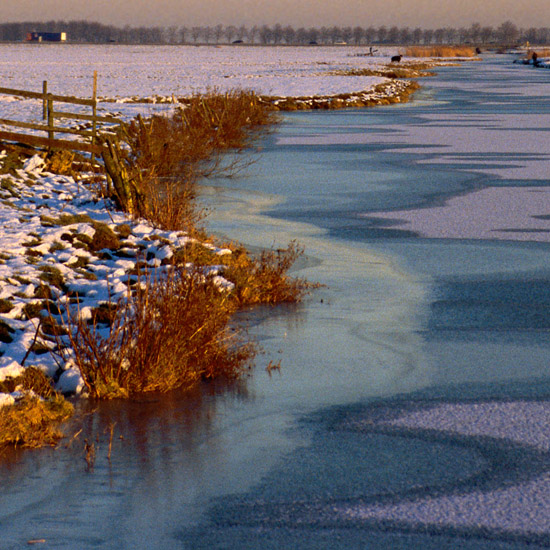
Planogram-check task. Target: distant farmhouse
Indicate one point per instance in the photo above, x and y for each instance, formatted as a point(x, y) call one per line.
point(46, 36)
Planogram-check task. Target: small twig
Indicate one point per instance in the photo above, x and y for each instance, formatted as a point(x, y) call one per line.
point(33, 342)
point(273, 366)
point(73, 438)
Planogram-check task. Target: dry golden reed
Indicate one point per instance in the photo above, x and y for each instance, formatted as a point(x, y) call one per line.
point(172, 332)
point(440, 51)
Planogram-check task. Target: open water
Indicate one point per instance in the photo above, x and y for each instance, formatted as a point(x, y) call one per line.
point(412, 403)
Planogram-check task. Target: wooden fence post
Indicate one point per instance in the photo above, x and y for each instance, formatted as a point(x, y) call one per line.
point(44, 100)
point(50, 117)
point(94, 113)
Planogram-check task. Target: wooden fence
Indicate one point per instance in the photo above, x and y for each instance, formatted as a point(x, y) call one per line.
point(50, 114)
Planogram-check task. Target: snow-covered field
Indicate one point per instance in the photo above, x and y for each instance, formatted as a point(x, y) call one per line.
point(138, 72)
point(145, 71)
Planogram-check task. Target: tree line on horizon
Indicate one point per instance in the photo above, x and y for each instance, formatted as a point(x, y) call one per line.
point(97, 33)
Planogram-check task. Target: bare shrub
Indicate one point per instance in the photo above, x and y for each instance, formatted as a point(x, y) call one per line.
point(165, 156)
point(258, 279)
point(171, 333)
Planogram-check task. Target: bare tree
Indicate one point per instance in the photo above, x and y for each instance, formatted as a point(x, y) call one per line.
point(428, 36)
point(382, 34)
point(358, 35)
point(289, 34)
point(230, 32)
point(218, 33)
point(439, 35)
point(242, 32)
point(405, 35)
point(474, 32)
point(347, 33)
point(324, 35)
point(486, 34)
point(195, 33)
point(207, 33)
point(450, 35)
point(266, 34)
point(370, 33)
point(277, 34)
point(183, 34)
point(543, 35)
point(335, 34)
point(171, 34)
point(393, 35)
point(531, 35)
point(301, 36)
point(463, 35)
point(508, 33)
point(312, 35)
point(253, 33)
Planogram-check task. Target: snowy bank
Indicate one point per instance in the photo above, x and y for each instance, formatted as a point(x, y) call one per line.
point(49, 223)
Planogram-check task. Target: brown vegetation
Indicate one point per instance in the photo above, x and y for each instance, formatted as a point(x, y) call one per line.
point(405, 70)
point(543, 52)
point(32, 421)
point(173, 329)
point(394, 91)
point(172, 332)
point(156, 178)
point(440, 51)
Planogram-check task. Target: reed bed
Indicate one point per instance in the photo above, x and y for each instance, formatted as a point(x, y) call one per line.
point(440, 51)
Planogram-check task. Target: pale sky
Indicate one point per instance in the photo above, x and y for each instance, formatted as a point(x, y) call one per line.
point(308, 13)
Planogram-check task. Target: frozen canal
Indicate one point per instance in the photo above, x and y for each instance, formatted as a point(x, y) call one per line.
point(412, 406)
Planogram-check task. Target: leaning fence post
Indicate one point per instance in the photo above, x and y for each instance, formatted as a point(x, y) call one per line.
point(50, 117)
point(44, 99)
point(94, 113)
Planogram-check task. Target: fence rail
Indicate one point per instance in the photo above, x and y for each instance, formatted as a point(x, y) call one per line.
point(49, 115)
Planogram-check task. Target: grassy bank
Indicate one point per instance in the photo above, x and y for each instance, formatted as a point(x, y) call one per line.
point(115, 279)
point(171, 325)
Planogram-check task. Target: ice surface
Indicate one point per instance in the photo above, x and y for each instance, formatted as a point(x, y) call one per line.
point(506, 213)
point(520, 507)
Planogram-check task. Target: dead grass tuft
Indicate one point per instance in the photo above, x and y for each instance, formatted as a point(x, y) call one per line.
point(61, 162)
point(32, 422)
point(265, 279)
point(33, 380)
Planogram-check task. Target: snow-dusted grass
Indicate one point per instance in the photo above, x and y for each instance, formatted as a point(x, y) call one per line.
point(126, 72)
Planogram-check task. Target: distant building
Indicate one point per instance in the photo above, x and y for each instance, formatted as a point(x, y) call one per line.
point(46, 36)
